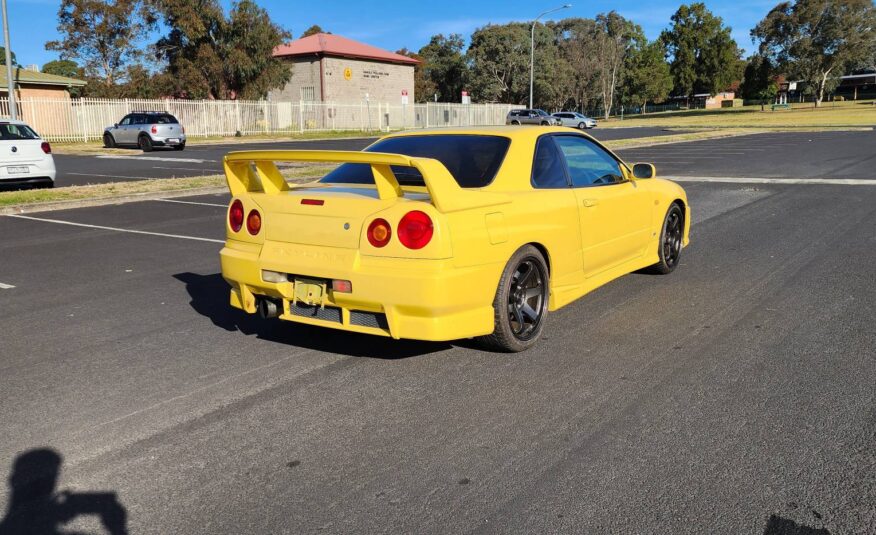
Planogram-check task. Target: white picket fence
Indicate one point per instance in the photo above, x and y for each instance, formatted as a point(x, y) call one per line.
point(84, 119)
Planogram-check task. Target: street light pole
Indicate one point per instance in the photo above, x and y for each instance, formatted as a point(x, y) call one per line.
point(10, 82)
point(532, 46)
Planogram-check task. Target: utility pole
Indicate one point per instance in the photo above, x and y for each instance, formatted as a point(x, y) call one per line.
point(10, 81)
point(532, 47)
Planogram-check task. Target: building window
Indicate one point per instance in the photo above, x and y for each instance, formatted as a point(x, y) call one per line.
point(308, 93)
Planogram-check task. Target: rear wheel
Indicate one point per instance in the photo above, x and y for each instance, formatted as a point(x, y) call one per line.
point(181, 146)
point(545, 123)
point(515, 122)
point(520, 305)
point(108, 141)
point(581, 126)
point(670, 241)
point(145, 143)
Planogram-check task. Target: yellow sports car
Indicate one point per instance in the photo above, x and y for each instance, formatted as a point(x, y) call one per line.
point(445, 234)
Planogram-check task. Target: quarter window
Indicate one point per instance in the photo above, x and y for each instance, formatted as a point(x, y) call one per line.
point(588, 164)
point(547, 166)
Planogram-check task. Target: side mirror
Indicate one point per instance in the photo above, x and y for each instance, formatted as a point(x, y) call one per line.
point(644, 170)
point(116, 125)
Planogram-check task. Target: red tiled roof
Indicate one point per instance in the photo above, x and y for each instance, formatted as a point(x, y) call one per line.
point(335, 45)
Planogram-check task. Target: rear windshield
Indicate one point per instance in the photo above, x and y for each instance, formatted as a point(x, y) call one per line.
point(162, 119)
point(472, 160)
point(16, 131)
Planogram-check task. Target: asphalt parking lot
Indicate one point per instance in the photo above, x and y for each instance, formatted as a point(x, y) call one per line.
point(200, 159)
point(735, 395)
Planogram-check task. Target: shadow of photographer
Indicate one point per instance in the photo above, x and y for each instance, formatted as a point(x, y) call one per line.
point(35, 508)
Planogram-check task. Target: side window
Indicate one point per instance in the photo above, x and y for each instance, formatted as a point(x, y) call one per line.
point(588, 164)
point(126, 120)
point(547, 165)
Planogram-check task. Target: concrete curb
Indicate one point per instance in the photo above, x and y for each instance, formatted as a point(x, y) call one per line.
point(107, 200)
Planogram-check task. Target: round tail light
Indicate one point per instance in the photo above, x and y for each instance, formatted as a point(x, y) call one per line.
point(154, 129)
point(235, 215)
point(254, 222)
point(379, 233)
point(46, 147)
point(415, 230)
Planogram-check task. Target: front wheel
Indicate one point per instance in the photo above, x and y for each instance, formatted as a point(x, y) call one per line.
point(671, 237)
point(521, 302)
point(108, 141)
point(515, 123)
point(545, 123)
point(581, 126)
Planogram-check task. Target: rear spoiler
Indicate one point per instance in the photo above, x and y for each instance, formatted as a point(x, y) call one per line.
point(255, 171)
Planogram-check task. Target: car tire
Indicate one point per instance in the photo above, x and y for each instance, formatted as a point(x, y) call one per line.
point(145, 143)
point(524, 284)
point(670, 245)
point(181, 146)
point(109, 141)
point(581, 126)
point(515, 123)
point(545, 123)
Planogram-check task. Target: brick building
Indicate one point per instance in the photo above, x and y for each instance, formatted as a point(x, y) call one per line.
point(331, 68)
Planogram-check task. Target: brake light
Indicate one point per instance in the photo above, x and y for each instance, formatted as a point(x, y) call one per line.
point(182, 129)
point(235, 215)
point(379, 233)
point(254, 222)
point(46, 147)
point(342, 286)
point(154, 129)
point(415, 230)
point(313, 202)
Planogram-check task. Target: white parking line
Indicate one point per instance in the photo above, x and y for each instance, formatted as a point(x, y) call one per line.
point(116, 229)
point(757, 180)
point(202, 169)
point(193, 202)
point(152, 158)
point(6, 286)
point(110, 176)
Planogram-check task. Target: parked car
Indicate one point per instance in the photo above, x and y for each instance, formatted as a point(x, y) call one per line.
point(25, 158)
point(147, 130)
point(575, 120)
point(531, 117)
point(514, 223)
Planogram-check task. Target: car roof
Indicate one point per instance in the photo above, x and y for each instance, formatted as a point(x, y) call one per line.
point(13, 121)
point(516, 132)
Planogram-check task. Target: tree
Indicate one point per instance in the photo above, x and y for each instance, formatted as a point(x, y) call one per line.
point(818, 40)
point(758, 82)
point(315, 29)
point(499, 60)
point(63, 67)
point(444, 66)
point(576, 39)
point(704, 55)
point(423, 88)
point(3, 57)
point(647, 74)
point(211, 55)
point(102, 35)
point(615, 38)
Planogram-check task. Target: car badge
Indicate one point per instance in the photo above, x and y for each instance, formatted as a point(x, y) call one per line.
point(14, 149)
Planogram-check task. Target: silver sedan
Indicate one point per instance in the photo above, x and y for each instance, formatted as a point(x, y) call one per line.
point(575, 119)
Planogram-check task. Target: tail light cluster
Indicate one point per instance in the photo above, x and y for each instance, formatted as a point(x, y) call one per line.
point(154, 129)
point(414, 231)
point(235, 218)
point(46, 147)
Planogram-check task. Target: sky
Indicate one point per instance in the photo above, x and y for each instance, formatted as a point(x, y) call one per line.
point(396, 24)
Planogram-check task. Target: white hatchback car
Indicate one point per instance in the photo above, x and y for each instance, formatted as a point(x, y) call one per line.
point(25, 158)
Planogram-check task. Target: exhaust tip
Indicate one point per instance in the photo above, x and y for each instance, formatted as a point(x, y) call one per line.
point(268, 308)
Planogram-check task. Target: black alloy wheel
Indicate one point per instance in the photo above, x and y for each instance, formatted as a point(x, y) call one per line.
point(108, 141)
point(671, 237)
point(521, 301)
point(145, 143)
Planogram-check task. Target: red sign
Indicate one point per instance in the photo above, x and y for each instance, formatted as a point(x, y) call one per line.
point(404, 92)
point(465, 93)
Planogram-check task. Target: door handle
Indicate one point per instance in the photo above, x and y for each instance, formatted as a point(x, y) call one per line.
point(590, 202)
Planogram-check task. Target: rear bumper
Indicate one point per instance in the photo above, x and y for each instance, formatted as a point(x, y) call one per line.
point(40, 172)
point(163, 141)
point(401, 298)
